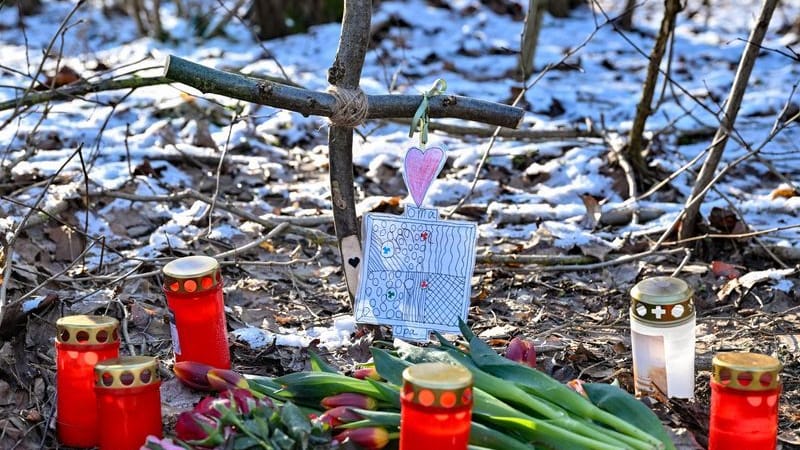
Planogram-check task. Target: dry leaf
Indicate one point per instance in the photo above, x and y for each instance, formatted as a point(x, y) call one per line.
point(784, 192)
point(750, 279)
point(723, 269)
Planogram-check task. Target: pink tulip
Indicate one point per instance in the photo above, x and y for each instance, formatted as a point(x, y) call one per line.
point(522, 351)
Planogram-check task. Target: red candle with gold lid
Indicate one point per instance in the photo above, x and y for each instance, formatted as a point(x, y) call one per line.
point(745, 390)
point(193, 287)
point(81, 342)
point(128, 402)
point(436, 407)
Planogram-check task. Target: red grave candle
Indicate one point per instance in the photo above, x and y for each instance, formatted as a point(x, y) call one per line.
point(193, 287)
point(745, 390)
point(128, 402)
point(81, 342)
point(436, 407)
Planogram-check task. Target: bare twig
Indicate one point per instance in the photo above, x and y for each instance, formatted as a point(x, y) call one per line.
point(609, 263)
point(61, 28)
point(236, 251)
point(519, 97)
point(73, 91)
point(9, 246)
point(749, 234)
point(540, 260)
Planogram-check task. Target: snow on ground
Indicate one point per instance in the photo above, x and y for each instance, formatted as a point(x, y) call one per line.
point(474, 51)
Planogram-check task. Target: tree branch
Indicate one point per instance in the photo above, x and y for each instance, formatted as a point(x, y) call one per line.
point(704, 179)
point(70, 92)
point(308, 102)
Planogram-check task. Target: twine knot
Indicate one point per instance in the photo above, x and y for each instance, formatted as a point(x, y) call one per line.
point(351, 107)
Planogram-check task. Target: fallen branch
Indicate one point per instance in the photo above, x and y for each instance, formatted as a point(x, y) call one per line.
point(539, 260)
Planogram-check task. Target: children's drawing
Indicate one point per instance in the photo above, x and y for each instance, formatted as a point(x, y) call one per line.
point(417, 269)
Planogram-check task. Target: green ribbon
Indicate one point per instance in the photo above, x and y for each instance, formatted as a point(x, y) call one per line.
point(421, 118)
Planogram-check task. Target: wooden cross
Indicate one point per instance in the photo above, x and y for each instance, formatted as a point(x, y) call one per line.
point(344, 73)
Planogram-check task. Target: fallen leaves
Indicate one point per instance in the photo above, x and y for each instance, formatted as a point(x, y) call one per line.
point(750, 279)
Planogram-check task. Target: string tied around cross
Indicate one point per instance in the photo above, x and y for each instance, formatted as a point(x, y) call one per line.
point(421, 118)
point(350, 108)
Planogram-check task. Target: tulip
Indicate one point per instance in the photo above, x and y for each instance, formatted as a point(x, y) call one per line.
point(522, 351)
point(193, 374)
point(197, 428)
point(349, 399)
point(338, 416)
point(366, 373)
point(577, 386)
point(224, 379)
point(369, 438)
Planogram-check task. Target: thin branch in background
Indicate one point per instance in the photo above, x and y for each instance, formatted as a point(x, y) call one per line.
point(96, 152)
point(9, 246)
point(519, 97)
point(219, 168)
point(86, 203)
point(61, 28)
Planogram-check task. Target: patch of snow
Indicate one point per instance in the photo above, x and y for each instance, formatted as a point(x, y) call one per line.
point(335, 336)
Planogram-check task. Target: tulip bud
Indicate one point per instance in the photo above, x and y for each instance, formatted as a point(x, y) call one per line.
point(198, 429)
point(577, 386)
point(224, 379)
point(366, 373)
point(338, 416)
point(193, 374)
point(349, 399)
point(522, 351)
point(369, 438)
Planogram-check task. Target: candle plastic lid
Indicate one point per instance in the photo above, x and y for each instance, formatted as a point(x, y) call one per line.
point(745, 371)
point(126, 372)
point(662, 301)
point(437, 385)
point(191, 274)
point(87, 330)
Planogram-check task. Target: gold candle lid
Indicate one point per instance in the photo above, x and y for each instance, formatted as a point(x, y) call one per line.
point(746, 371)
point(437, 385)
point(662, 301)
point(126, 372)
point(87, 330)
point(191, 274)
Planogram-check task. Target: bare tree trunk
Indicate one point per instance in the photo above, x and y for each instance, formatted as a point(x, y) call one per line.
point(275, 18)
point(28, 7)
point(625, 20)
point(530, 37)
point(703, 183)
point(643, 109)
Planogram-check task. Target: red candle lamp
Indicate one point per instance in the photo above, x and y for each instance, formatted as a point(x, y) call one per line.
point(436, 407)
point(81, 342)
point(193, 287)
point(745, 390)
point(128, 402)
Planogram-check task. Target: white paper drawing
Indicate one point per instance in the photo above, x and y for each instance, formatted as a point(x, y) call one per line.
point(416, 272)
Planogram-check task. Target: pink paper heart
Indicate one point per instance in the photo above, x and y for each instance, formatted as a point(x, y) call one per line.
point(420, 169)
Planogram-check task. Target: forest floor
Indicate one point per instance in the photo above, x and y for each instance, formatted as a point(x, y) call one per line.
point(152, 157)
